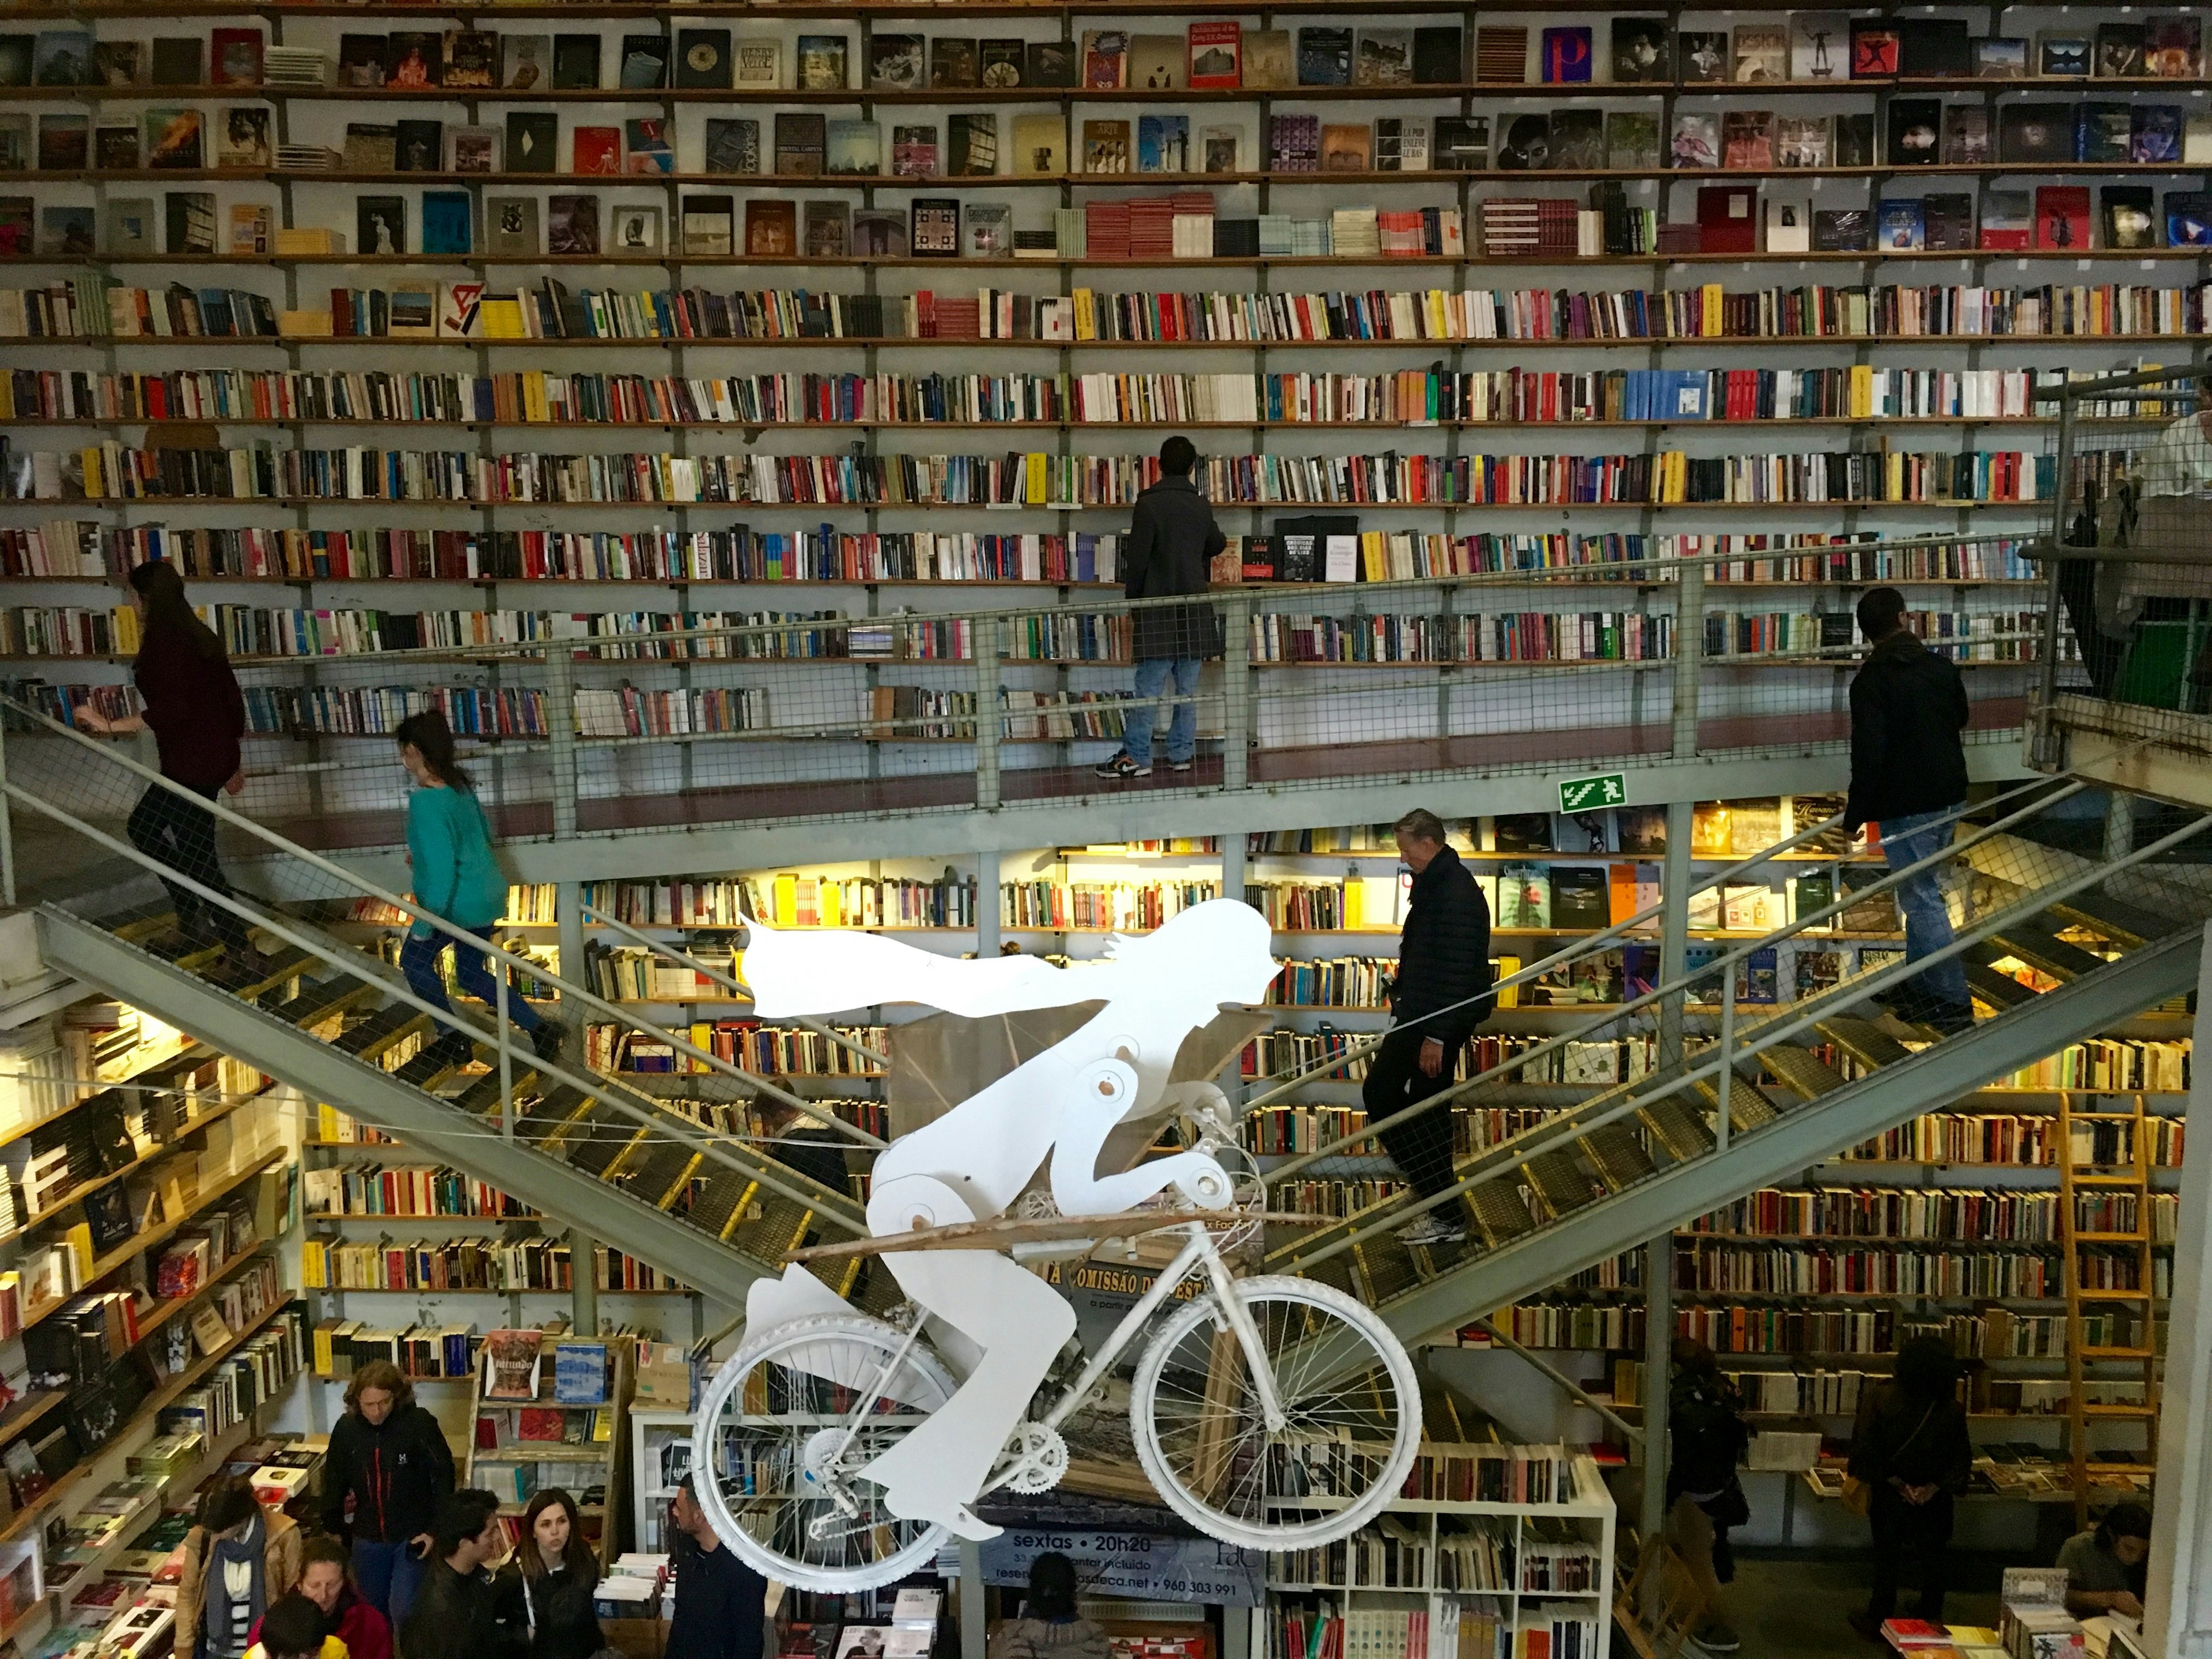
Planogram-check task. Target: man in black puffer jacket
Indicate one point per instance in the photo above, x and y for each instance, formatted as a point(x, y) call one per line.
point(1438, 999)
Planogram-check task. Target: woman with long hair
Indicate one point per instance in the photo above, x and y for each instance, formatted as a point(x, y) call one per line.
point(197, 714)
point(239, 1558)
point(557, 1575)
point(449, 848)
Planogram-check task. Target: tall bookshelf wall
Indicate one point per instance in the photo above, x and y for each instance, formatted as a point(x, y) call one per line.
point(1499, 86)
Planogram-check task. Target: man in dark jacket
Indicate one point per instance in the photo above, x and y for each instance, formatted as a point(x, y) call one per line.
point(1443, 971)
point(1172, 542)
point(461, 1612)
point(389, 1463)
point(721, 1602)
point(1909, 1447)
point(1908, 772)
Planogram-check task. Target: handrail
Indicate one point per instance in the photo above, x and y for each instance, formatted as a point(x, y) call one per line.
point(506, 959)
point(1659, 993)
point(1573, 1123)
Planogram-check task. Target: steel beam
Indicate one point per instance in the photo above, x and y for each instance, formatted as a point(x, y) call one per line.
point(366, 1090)
point(1117, 812)
point(1807, 1135)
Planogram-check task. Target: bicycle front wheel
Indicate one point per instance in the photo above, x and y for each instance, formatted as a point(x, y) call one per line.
point(1350, 1403)
point(782, 1430)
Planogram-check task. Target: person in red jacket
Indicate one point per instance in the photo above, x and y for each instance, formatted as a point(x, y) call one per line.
point(327, 1580)
point(197, 714)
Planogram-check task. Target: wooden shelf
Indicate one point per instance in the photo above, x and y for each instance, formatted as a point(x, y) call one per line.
point(1501, 91)
point(140, 1243)
point(941, 184)
point(972, 342)
point(35, 1511)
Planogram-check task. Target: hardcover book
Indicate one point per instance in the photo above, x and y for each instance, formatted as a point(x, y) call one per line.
point(1566, 55)
point(596, 150)
point(1854, 139)
point(972, 144)
point(114, 64)
point(2128, 216)
point(246, 141)
point(1525, 145)
point(934, 226)
point(1760, 53)
point(2063, 55)
point(1802, 141)
point(1874, 50)
point(1105, 59)
point(1642, 50)
point(801, 140)
point(821, 60)
point(572, 225)
point(1040, 144)
point(2062, 216)
point(913, 152)
point(511, 226)
point(1997, 58)
point(1461, 143)
point(2156, 139)
point(644, 62)
point(418, 146)
point(2173, 48)
point(381, 224)
point(532, 141)
point(646, 147)
point(1383, 57)
point(1914, 132)
point(174, 61)
point(173, 139)
point(1324, 56)
point(2103, 131)
point(1215, 59)
point(1164, 144)
point(879, 232)
point(1899, 226)
point(1631, 139)
point(2008, 220)
point(758, 63)
point(952, 62)
point(1268, 59)
point(446, 222)
point(1966, 135)
point(1819, 46)
point(575, 63)
point(1577, 140)
point(702, 58)
point(633, 231)
point(709, 225)
point(1747, 140)
point(1439, 57)
point(1696, 141)
point(854, 149)
point(413, 60)
point(1001, 62)
point(733, 146)
point(471, 60)
point(1106, 147)
point(898, 63)
point(1046, 64)
point(526, 62)
point(1156, 62)
point(1501, 54)
point(234, 57)
point(2120, 51)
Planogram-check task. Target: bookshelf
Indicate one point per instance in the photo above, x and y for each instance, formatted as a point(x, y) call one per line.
point(1443, 1574)
point(551, 1410)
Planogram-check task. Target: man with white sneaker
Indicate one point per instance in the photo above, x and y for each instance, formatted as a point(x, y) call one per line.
point(1437, 999)
point(1172, 542)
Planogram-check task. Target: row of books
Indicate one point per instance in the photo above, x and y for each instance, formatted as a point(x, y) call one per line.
point(1990, 1334)
point(91, 307)
point(466, 1264)
point(344, 1346)
point(769, 1050)
point(85, 548)
point(738, 554)
point(2014, 1138)
point(2109, 1065)
point(627, 712)
point(1509, 636)
point(1403, 396)
point(1780, 1271)
point(2013, 1215)
point(403, 1189)
point(112, 470)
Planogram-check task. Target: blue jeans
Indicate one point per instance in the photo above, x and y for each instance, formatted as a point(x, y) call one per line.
point(1906, 841)
point(1153, 674)
point(418, 961)
point(389, 1575)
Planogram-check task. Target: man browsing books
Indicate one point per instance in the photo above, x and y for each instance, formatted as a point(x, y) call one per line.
point(1172, 542)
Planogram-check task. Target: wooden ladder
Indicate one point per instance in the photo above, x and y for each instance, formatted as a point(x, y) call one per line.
point(2077, 1182)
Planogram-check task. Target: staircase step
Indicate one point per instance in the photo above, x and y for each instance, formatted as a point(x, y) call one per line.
point(1802, 1072)
point(547, 1124)
point(142, 921)
point(1560, 1182)
point(1861, 1040)
point(318, 1000)
point(658, 1173)
point(1499, 1212)
point(2116, 919)
point(609, 1135)
point(393, 1023)
point(167, 944)
point(2037, 943)
point(1747, 1108)
point(722, 1202)
point(2000, 991)
point(1684, 1133)
point(276, 968)
point(1620, 1157)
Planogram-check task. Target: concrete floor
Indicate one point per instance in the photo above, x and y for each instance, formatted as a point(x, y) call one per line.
point(1794, 1604)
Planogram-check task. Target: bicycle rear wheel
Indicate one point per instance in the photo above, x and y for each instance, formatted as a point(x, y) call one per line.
point(1350, 1404)
point(781, 1434)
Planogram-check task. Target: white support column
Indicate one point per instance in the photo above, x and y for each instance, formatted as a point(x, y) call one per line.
point(974, 1637)
point(1231, 842)
point(987, 904)
point(2177, 1602)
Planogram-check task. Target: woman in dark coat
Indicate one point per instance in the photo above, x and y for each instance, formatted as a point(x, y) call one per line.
point(554, 1574)
point(1911, 1449)
point(197, 714)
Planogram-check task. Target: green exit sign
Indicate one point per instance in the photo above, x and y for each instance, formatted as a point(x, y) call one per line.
point(1588, 794)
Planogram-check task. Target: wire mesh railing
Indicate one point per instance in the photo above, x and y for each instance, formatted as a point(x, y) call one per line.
point(599, 723)
point(1757, 1025)
point(2129, 568)
point(332, 922)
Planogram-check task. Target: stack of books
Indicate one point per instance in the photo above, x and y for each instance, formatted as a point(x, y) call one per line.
point(1106, 230)
point(292, 66)
point(1353, 233)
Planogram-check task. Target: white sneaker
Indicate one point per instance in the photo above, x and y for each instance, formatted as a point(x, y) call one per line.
point(1431, 1227)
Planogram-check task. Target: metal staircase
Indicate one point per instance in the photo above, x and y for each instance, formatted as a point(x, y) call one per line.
point(333, 1020)
point(2060, 945)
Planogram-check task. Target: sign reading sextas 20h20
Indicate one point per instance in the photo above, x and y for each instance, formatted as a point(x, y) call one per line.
point(1588, 794)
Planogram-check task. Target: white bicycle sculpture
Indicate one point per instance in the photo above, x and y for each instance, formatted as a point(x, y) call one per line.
point(1268, 1412)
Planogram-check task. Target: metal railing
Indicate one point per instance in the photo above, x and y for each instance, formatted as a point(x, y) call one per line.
point(2128, 580)
point(83, 785)
point(598, 725)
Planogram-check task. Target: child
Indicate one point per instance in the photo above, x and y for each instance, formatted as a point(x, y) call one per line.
point(449, 848)
point(293, 1630)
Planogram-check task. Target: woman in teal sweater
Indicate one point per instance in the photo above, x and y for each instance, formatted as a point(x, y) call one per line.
point(449, 848)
